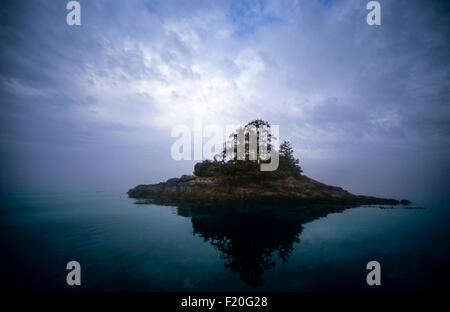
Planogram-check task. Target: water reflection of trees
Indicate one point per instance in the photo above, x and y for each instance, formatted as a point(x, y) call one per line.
point(249, 238)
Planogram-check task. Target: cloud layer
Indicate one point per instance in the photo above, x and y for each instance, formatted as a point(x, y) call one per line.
point(365, 107)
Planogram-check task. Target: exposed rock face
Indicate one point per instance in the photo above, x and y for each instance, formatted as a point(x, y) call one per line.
point(207, 191)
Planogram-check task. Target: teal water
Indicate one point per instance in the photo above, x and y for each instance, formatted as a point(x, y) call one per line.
point(124, 246)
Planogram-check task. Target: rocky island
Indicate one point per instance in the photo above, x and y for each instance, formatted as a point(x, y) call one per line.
point(232, 180)
point(189, 189)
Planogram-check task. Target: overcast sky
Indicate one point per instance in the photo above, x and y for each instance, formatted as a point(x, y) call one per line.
point(92, 107)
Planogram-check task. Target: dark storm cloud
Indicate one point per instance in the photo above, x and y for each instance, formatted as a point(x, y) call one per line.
point(366, 107)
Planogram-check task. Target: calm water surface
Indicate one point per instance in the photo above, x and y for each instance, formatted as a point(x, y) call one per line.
point(126, 246)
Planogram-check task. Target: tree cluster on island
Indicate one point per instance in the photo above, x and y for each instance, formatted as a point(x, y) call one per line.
point(240, 171)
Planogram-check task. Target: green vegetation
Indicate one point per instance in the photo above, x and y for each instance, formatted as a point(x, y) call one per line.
point(289, 165)
point(233, 171)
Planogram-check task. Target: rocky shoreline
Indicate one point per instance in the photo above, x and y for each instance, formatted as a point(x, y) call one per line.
point(207, 191)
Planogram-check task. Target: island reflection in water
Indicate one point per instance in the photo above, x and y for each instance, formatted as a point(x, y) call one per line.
point(127, 247)
point(249, 237)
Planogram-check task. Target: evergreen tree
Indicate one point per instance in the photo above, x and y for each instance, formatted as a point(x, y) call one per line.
point(288, 162)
